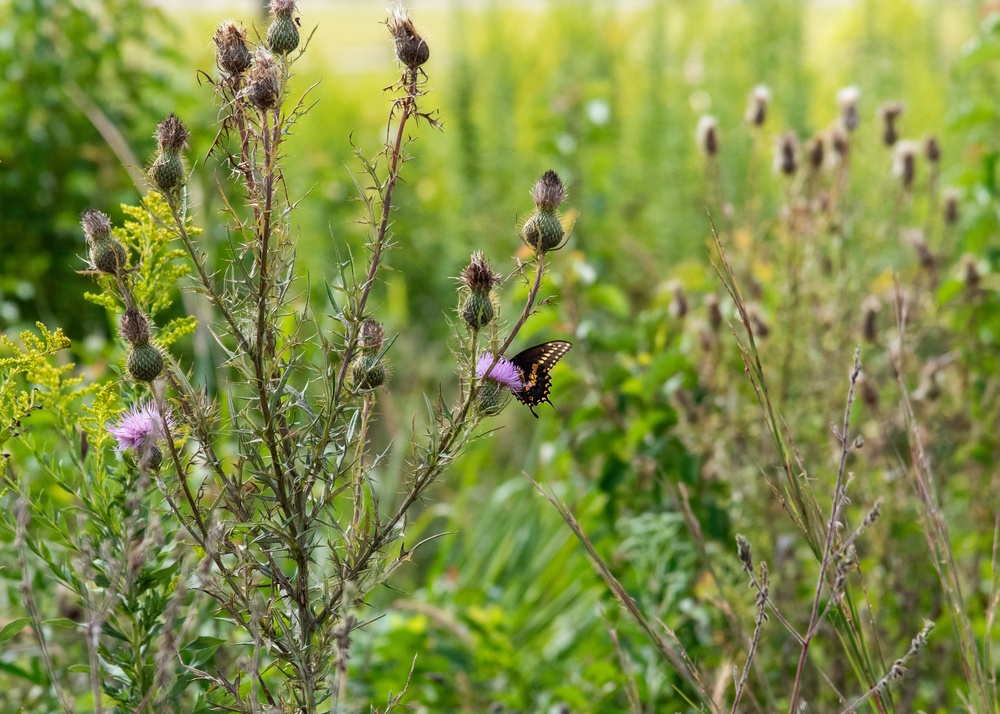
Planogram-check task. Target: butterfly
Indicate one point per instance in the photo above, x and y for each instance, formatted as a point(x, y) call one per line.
point(535, 364)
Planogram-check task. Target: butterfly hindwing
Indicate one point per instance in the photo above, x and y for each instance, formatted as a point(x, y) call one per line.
point(535, 364)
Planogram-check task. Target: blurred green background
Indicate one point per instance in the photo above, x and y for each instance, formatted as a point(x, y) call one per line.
point(507, 612)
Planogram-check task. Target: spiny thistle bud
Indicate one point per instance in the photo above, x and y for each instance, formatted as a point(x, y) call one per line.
point(932, 150)
point(262, 81)
point(231, 51)
point(951, 206)
point(371, 336)
point(889, 113)
point(815, 151)
point(490, 397)
point(144, 362)
point(904, 162)
point(786, 154)
point(134, 327)
point(477, 308)
point(411, 49)
point(167, 171)
point(543, 231)
point(869, 318)
point(368, 371)
point(282, 34)
point(707, 135)
point(107, 254)
point(847, 98)
point(714, 311)
point(970, 273)
point(679, 302)
point(757, 103)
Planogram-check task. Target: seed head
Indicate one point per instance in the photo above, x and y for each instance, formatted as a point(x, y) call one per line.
point(840, 143)
point(134, 327)
point(951, 206)
point(549, 191)
point(904, 162)
point(786, 154)
point(231, 51)
point(171, 134)
point(757, 103)
point(889, 113)
point(262, 81)
point(869, 318)
point(707, 135)
point(847, 98)
point(411, 49)
point(815, 150)
point(932, 149)
point(96, 226)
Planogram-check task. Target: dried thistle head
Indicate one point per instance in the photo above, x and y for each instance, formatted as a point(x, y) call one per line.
point(96, 226)
point(707, 135)
point(371, 336)
point(549, 192)
point(904, 162)
point(714, 311)
point(951, 206)
point(815, 152)
point(869, 318)
point(932, 149)
point(411, 49)
point(171, 134)
point(678, 302)
point(847, 99)
point(840, 143)
point(231, 51)
point(970, 273)
point(478, 276)
point(889, 113)
point(786, 154)
point(760, 97)
point(916, 238)
point(262, 81)
point(134, 327)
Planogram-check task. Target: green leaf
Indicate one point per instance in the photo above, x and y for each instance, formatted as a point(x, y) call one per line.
point(13, 627)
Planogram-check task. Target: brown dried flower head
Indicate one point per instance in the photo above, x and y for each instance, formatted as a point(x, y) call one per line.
point(786, 154)
point(932, 149)
point(951, 206)
point(714, 311)
point(262, 81)
point(847, 98)
point(411, 49)
point(757, 103)
point(171, 134)
point(889, 113)
point(283, 7)
point(231, 51)
point(815, 151)
point(549, 191)
point(96, 226)
point(478, 276)
point(134, 327)
point(372, 335)
point(904, 162)
point(707, 135)
point(869, 318)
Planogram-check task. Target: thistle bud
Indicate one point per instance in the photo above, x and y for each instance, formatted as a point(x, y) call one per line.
point(932, 150)
point(368, 371)
point(107, 254)
point(371, 336)
point(869, 318)
point(707, 135)
point(951, 207)
point(904, 162)
point(167, 170)
point(144, 362)
point(134, 327)
point(282, 33)
point(757, 102)
point(847, 98)
point(889, 113)
point(786, 154)
point(411, 49)
point(543, 231)
point(231, 52)
point(262, 81)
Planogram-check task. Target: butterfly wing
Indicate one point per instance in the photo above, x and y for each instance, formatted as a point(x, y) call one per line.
point(535, 364)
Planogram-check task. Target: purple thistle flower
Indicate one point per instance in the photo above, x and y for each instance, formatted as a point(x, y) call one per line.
point(504, 371)
point(139, 428)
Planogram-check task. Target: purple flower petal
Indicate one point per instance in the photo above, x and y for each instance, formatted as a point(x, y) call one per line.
point(504, 371)
point(139, 427)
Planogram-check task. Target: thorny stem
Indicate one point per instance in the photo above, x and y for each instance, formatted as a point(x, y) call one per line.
point(838, 500)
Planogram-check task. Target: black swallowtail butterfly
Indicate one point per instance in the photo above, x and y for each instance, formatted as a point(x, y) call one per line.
point(535, 364)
